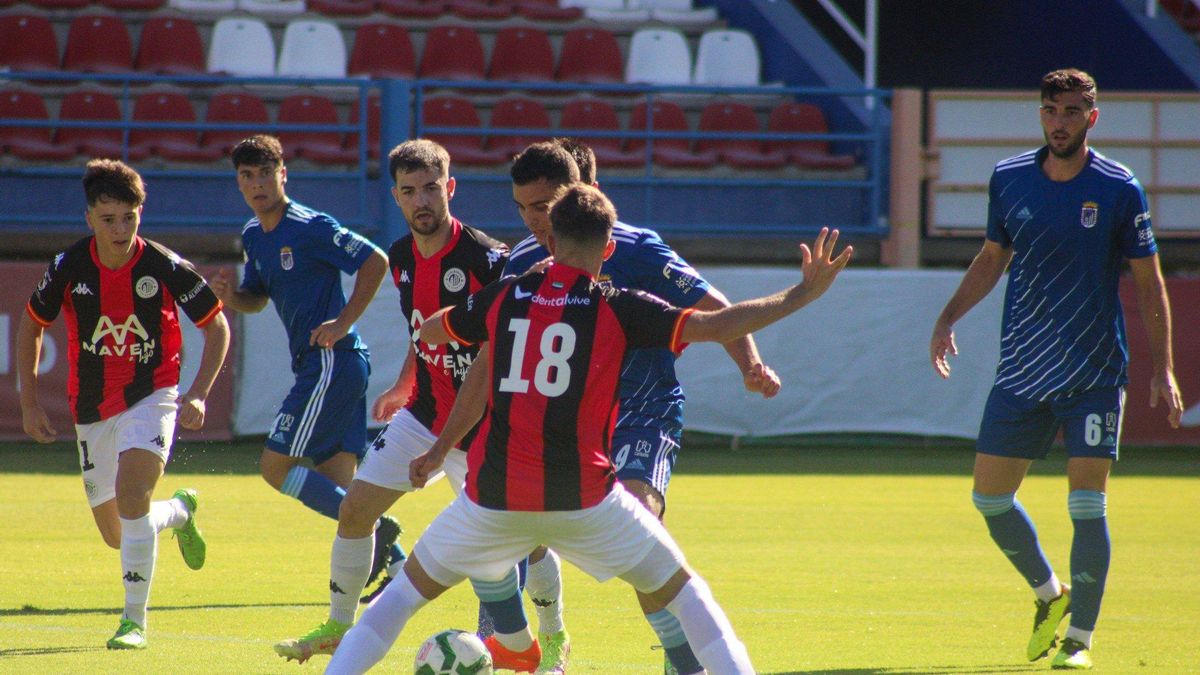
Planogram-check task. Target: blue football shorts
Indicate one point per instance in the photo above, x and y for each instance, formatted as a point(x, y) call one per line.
point(645, 454)
point(326, 411)
point(1014, 426)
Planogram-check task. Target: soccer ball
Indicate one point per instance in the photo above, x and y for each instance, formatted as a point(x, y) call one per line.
point(453, 652)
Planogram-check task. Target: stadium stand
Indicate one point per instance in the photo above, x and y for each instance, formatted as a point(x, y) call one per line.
point(374, 124)
point(746, 153)
point(676, 12)
point(658, 56)
point(455, 111)
point(517, 112)
point(452, 53)
point(241, 46)
point(805, 118)
point(480, 10)
point(342, 8)
point(592, 114)
point(522, 55)
point(204, 6)
point(671, 152)
point(60, 4)
point(80, 106)
point(322, 147)
point(233, 107)
point(179, 145)
point(312, 49)
point(611, 11)
point(546, 10)
point(27, 42)
point(590, 56)
point(170, 45)
point(133, 5)
point(28, 143)
point(98, 43)
point(412, 9)
point(727, 58)
point(267, 8)
point(382, 50)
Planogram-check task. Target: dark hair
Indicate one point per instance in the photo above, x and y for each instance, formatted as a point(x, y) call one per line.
point(1068, 80)
point(584, 158)
point(257, 150)
point(544, 160)
point(113, 179)
point(581, 213)
point(419, 154)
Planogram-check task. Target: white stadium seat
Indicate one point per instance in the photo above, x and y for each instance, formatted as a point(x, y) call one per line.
point(200, 6)
point(241, 46)
point(312, 49)
point(272, 7)
point(727, 58)
point(658, 56)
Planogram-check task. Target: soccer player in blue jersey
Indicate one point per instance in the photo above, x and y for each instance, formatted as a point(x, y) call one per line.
point(295, 257)
point(650, 421)
point(1061, 218)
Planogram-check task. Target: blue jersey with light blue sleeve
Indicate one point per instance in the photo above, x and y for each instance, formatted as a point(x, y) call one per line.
point(650, 393)
point(298, 265)
point(1063, 331)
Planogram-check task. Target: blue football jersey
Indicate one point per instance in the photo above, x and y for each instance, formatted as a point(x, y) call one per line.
point(299, 265)
point(650, 393)
point(1063, 331)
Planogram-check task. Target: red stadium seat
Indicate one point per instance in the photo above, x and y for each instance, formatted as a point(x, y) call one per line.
point(454, 111)
point(590, 114)
point(739, 153)
point(80, 106)
point(382, 50)
point(546, 10)
point(133, 5)
point(480, 10)
point(374, 121)
point(671, 152)
point(805, 118)
point(59, 4)
point(180, 145)
point(323, 147)
point(590, 55)
point(452, 53)
point(29, 143)
point(522, 55)
point(341, 7)
point(413, 9)
point(518, 113)
point(233, 107)
point(170, 45)
point(98, 44)
point(27, 42)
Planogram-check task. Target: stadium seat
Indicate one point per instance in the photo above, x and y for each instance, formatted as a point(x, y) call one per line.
point(658, 56)
point(455, 111)
point(727, 58)
point(79, 106)
point(670, 152)
point(374, 122)
point(312, 49)
point(98, 43)
point(522, 55)
point(591, 56)
point(272, 7)
point(517, 113)
point(610, 11)
point(133, 5)
point(382, 50)
point(170, 45)
point(180, 145)
point(805, 118)
point(28, 143)
point(745, 153)
point(452, 53)
point(546, 10)
point(59, 4)
point(480, 10)
point(413, 9)
point(241, 46)
point(342, 7)
point(204, 6)
point(233, 107)
point(27, 42)
point(676, 12)
point(591, 114)
point(323, 147)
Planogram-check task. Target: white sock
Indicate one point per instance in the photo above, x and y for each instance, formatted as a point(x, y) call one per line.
point(543, 583)
point(1080, 635)
point(169, 513)
point(349, 567)
point(709, 631)
point(517, 642)
point(370, 639)
point(1049, 590)
point(139, 548)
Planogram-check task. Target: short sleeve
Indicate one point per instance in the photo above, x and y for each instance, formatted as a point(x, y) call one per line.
point(467, 323)
point(252, 281)
point(995, 215)
point(47, 299)
point(495, 261)
point(647, 320)
point(1134, 233)
point(337, 245)
point(190, 289)
point(662, 272)
point(523, 257)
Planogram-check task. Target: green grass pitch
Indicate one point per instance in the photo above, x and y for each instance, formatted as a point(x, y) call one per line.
point(839, 558)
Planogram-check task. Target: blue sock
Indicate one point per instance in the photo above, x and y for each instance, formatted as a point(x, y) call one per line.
point(396, 554)
point(1091, 551)
point(670, 633)
point(487, 625)
point(1013, 532)
point(313, 490)
point(502, 600)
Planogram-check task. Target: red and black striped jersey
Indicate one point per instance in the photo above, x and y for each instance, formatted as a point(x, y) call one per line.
point(123, 338)
point(467, 263)
point(557, 340)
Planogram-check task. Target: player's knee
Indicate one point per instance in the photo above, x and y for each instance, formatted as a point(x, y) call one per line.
point(353, 519)
point(993, 505)
point(273, 473)
point(1087, 504)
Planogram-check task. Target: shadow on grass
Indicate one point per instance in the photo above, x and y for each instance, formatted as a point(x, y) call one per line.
point(45, 651)
point(30, 610)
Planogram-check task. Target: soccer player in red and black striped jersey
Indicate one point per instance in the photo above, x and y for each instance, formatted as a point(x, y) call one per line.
point(440, 263)
point(120, 295)
point(539, 467)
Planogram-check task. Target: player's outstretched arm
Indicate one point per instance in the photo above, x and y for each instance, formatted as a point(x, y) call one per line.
point(468, 407)
point(29, 351)
point(820, 269)
point(222, 284)
point(433, 330)
point(1155, 308)
point(367, 280)
point(981, 277)
point(757, 376)
point(216, 345)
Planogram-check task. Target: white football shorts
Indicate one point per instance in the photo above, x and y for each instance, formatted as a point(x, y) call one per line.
point(401, 441)
point(148, 425)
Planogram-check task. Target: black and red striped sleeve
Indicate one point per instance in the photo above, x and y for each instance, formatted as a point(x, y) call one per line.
point(467, 322)
point(648, 321)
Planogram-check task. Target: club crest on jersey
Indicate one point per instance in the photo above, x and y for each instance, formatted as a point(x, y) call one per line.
point(146, 287)
point(1089, 214)
point(454, 280)
point(286, 261)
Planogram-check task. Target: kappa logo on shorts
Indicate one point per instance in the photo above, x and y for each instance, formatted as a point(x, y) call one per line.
point(159, 441)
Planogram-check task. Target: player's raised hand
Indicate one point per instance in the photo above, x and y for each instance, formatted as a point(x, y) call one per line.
point(1163, 385)
point(762, 379)
point(941, 343)
point(191, 412)
point(819, 266)
point(37, 424)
